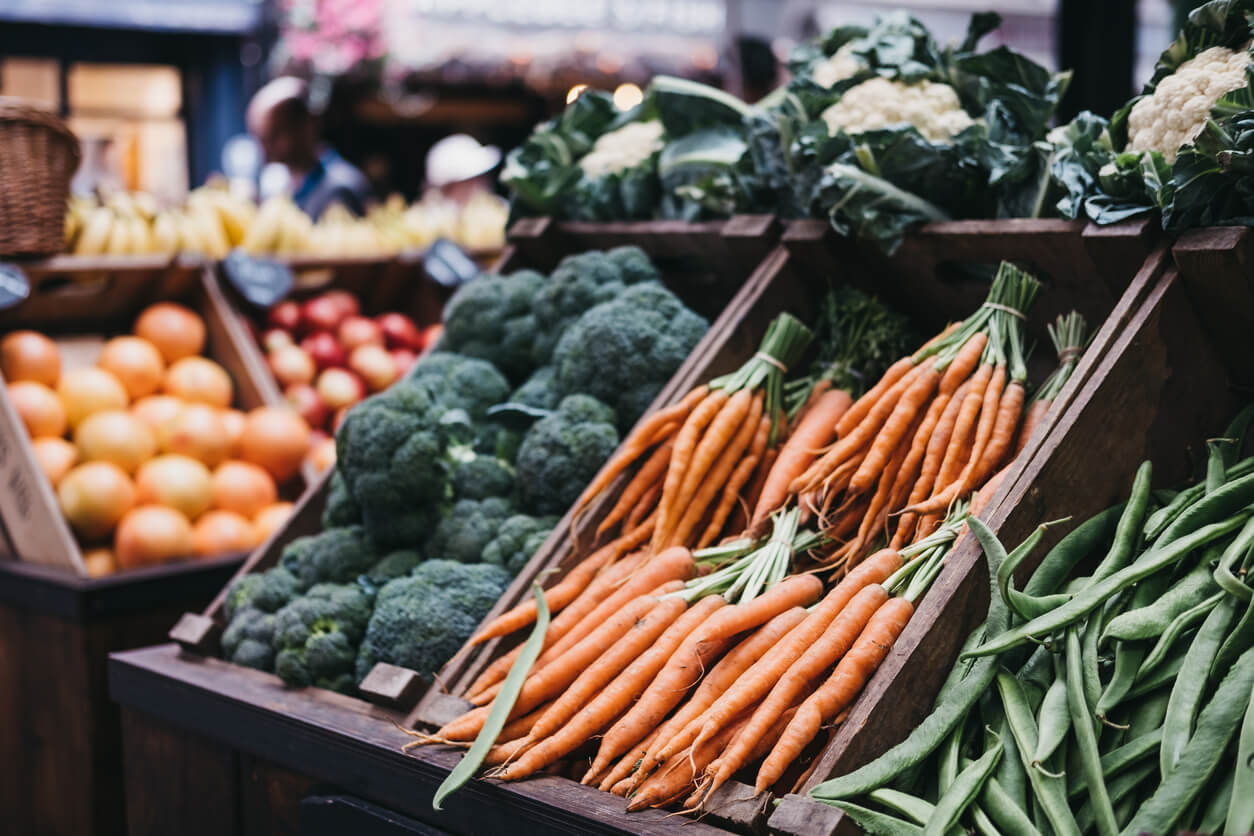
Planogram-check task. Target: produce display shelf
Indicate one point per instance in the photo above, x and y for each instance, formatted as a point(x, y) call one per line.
point(1168, 374)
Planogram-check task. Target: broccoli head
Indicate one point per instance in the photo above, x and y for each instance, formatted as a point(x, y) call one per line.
point(469, 526)
point(540, 390)
point(317, 635)
point(420, 621)
point(459, 382)
point(337, 555)
point(340, 509)
point(518, 538)
point(579, 282)
point(265, 591)
point(480, 476)
point(395, 565)
point(561, 453)
point(634, 264)
point(624, 351)
point(249, 639)
point(491, 318)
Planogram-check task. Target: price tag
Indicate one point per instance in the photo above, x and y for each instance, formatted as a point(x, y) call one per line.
point(447, 264)
point(261, 281)
point(14, 285)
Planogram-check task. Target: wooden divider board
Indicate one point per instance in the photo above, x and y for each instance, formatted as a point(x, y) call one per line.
point(1158, 389)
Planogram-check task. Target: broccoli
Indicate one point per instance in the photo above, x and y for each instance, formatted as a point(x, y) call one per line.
point(340, 509)
point(420, 621)
point(625, 350)
point(469, 526)
point(491, 318)
point(337, 555)
point(634, 264)
point(579, 282)
point(518, 538)
point(249, 639)
point(480, 477)
point(540, 390)
point(316, 636)
point(561, 453)
point(461, 382)
point(395, 565)
point(264, 591)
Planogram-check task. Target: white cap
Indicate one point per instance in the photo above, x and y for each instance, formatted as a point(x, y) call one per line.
point(279, 91)
point(459, 157)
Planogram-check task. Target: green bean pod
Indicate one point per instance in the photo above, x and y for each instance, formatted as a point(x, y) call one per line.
point(1005, 811)
point(881, 824)
point(1010, 775)
point(918, 810)
point(1161, 676)
point(947, 759)
point(1130, 655)
point(1005, 573)
point(1163, 648)
point(1241, 638)
point(1079, 543)
point(1217, 506)
point(1122, 794)
point(1202, 755)
point(1158, 521)
point(1086, 737)
point(1147, 713)
point(1151, 620)
point(1053, 721)
point(1216, 468)
point(1186, 694)
point(1240, 818)
point(1131, 521)
point(962, 793)
point(1050, 793)
point(1216, 810)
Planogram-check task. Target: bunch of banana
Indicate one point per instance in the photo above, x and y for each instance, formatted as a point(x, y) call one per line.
point(210, 223)
point(121, 225)
point(339, 233)
point(279, 228)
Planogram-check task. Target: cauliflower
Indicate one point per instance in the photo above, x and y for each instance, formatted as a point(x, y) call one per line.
point(931, 107)
point(1175, 113)
point(622, 149)
point(838, 66)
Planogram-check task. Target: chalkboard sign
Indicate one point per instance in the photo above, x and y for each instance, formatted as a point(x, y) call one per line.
point(447, 264)
point(14, 286)
point(261, 281)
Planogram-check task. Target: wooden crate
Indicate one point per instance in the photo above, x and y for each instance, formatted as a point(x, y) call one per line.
point(921, 282)
point(77, 302)
point(1169, 371)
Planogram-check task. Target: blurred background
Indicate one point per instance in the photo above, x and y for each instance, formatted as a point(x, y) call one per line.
point(158, 89)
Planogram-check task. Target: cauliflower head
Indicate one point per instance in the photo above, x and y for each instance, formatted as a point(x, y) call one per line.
point(838, 66)
point(1175, 113)
point(931, 107)
point(622, 149)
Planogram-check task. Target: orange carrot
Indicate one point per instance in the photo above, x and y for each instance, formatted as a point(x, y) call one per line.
point(731, 491)
point(876, 514)
point(835, 642)
point(964, 362)
point(721, 677)
point(863, 406)
point(1008, 412)
point(650, 472)
point(759, 748)
point(716, 438)
point(964, 429)
point(624, 767)
point(681, 457)
point(676, 778)
point(985, 495)
point(753, 493)
point(1031, 420)
point(507, 751)
point(644, 507)
point(793, 591)
point(912, 466)
point(817, 391)
point(840, 689)
point(895, 428)
point(626, 650)
point(695, 505)
point(802, 447)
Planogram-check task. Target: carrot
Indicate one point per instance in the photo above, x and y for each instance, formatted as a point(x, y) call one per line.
point(817, 391)
point(1008, 412)
point(912, 467)
point(937, 444)
point(753, 493)
point(964, 362)
point(840, 689)
point(677, 777)
point(877, 509)
point(695, 505)
point(888, 439)
point(721, 677)
point(759, 679)
point(985, 495)
point(963, 430)
point(547, 682)
point(644, 506)
point(641, 438)
point(760, 747)
point(801, 448)
point(638, 638)
point(625, 766)
point(1035, 415)
point(863, 405)
point(681, 457)
point(621, 788)
point(522, 725)
point(507, 751)
point(835, 642)
point(928, 523)
point(793, 591)
point(717, 436)
point(731, 492)
point(561, 594)
point(650, 472)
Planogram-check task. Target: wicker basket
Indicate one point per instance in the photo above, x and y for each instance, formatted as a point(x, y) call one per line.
point(38, 156)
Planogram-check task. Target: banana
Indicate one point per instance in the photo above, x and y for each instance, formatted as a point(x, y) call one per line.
point(262, 235)
point(146, 205)
point(189, 239)
point(209, 230)
point(96, 232)
point(141, 236)
point(119, 242)
point(165, 233)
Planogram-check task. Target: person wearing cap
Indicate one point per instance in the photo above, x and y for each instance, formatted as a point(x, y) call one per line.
point(280, 118)
point(458, 167)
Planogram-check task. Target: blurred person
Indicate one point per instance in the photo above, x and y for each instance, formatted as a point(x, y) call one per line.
point(280, 118)
point(458, 167)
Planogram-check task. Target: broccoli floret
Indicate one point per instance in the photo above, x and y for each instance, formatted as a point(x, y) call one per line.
point(316, 636)
point(461, 382)
point(518, 538)
point(469, 526)
point(249, 639)
point(634, 264)
point(482, 476)
point(337, 555)
point(540, 390)
point(340, 509)
point(395, 565)
point(579, 282)
point(561, 453)
point(624, 351)
point(420, 621)
point(491, 318)
point(264, 591)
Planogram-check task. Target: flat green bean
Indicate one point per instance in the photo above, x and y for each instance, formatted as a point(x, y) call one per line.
point(1236, 433)
point(1091, 665)
point(1010, 775)
point(1079, 543)
point(1180, 625)
point(878, 824)
point(962, 793)
point(1151, 620)
point(1216, 470)
point(1241, 638)
point(1162, 675)
point(1086, 737)
point(947, 768)
point(1202, 755)
point(1050, 793)
point(1146, 715)
point(1091, 598)
point(1218, 505)
point(1216, 809)
point(1003, 809)
point(1238, 549)
point(1122, 791)
point(1053, 721)
point(1158, 521)
point(1130, 655)
point(916, 809)
point(1191, 681)
point(1005, 573)
point(983, 824)
point(1240, 818)
point(1131, 521)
